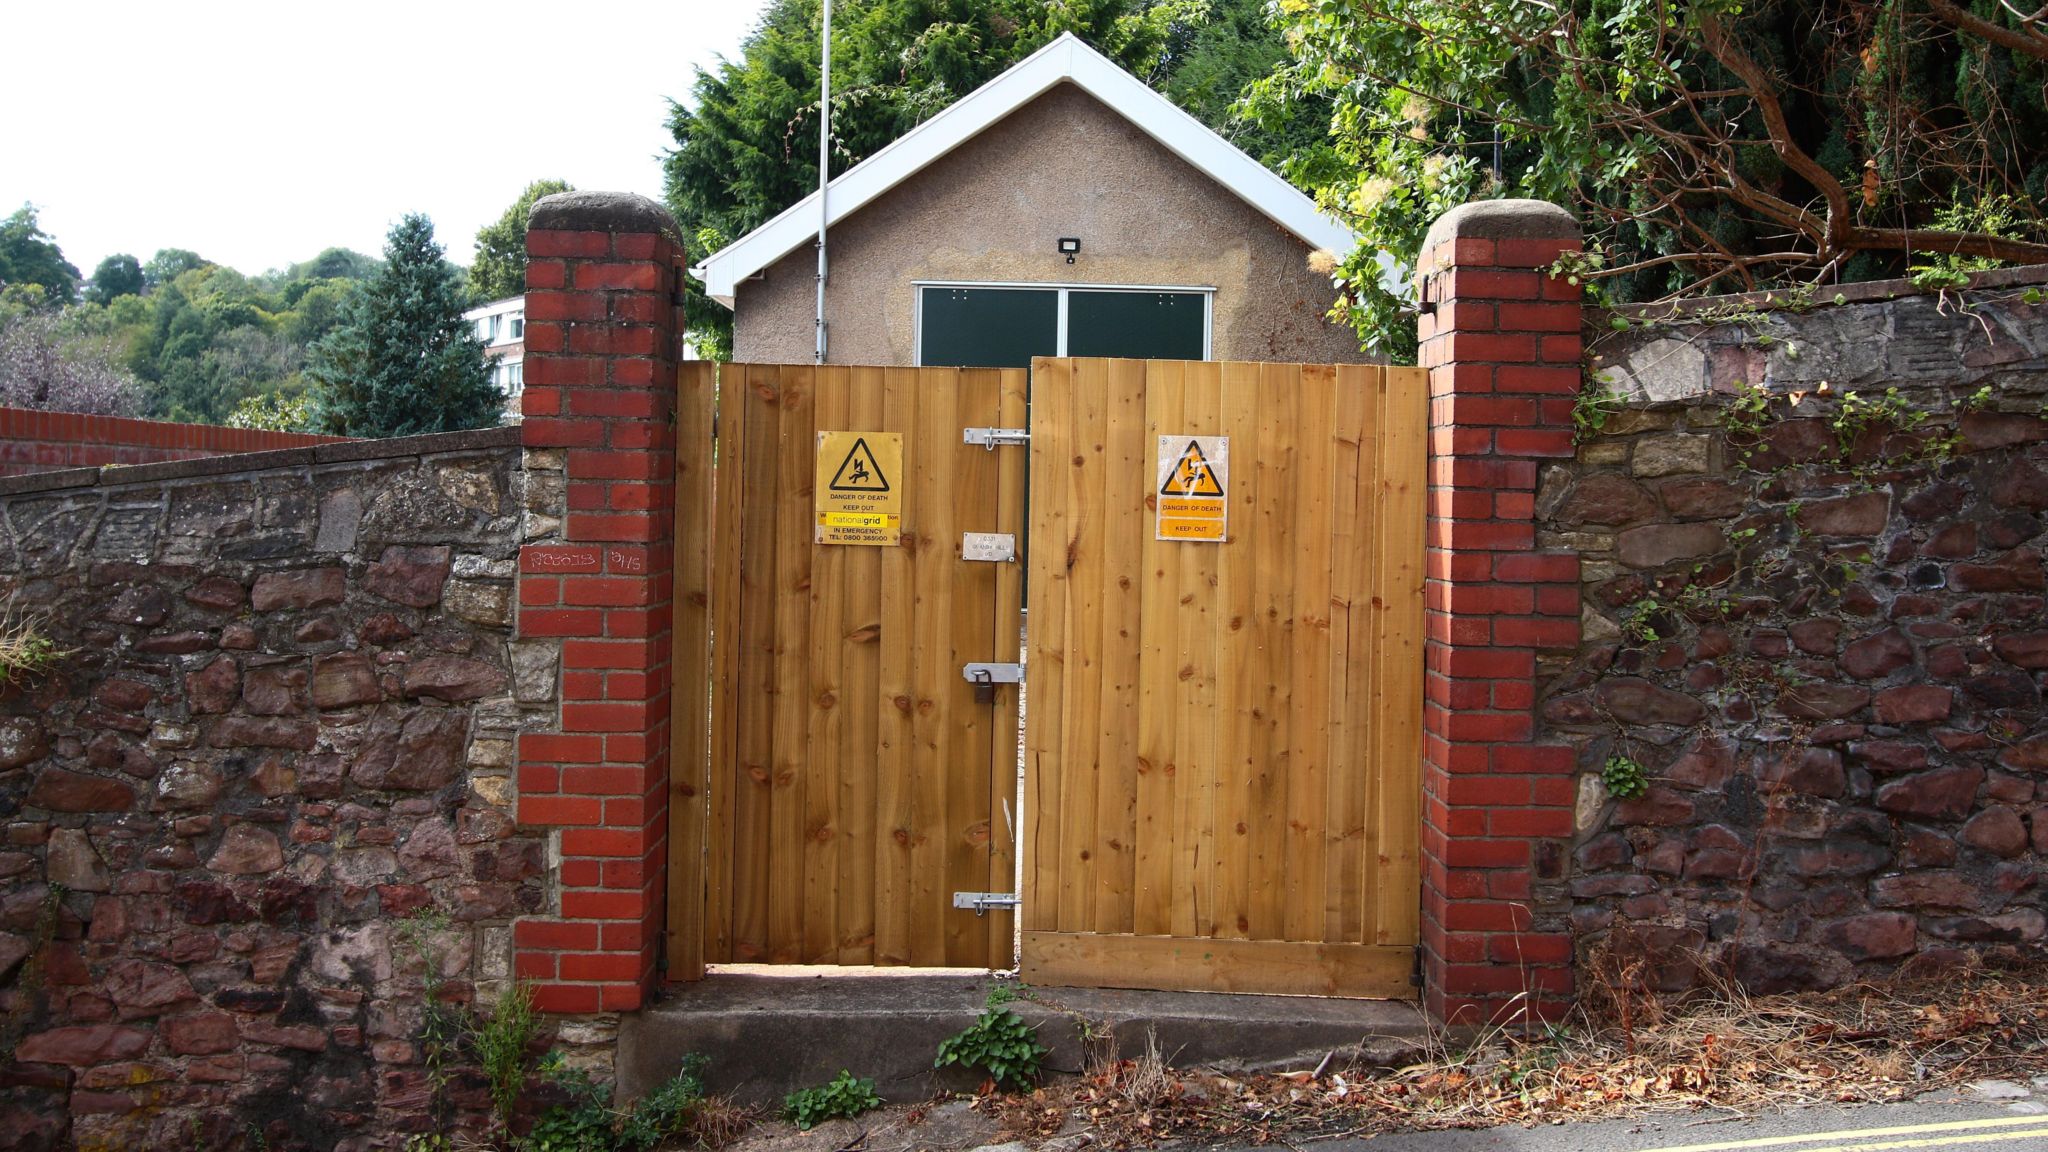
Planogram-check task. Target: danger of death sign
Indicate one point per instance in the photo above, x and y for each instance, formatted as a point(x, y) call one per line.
point(860, 488)
point(1194, 488)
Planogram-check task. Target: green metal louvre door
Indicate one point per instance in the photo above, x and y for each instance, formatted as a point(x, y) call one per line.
point(1136, 325)
point(987, 327)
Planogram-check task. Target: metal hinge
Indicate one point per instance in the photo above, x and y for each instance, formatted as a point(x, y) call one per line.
point(992, 673)
point(989, 438)
point(981, 902)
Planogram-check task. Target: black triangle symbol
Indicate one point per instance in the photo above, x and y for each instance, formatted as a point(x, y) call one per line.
point(860, 471)
point(1191, 475)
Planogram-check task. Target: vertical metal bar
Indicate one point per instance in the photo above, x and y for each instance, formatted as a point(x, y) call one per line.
point(824, 164)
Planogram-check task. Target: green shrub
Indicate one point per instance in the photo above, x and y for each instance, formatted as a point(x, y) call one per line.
point(1001, 1044)
point(665, 1111)
point(844, 1096)
point(586, 1124)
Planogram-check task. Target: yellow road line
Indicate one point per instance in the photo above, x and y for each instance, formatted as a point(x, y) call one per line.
point(1933, 1141)
point(1866, 1133)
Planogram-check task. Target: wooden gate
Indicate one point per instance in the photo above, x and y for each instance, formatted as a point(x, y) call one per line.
point(1222, 765)
point(855, 783)
point(1222, 760)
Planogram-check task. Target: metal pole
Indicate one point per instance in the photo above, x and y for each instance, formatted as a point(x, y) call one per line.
point(824, 165)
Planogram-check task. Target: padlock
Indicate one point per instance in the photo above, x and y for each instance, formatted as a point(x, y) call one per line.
point(984, 687)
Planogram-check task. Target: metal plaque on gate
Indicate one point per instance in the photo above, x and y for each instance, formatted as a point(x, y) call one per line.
point(860, 488)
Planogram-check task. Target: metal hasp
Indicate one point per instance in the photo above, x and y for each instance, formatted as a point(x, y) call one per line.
point(981, 902)
point(989, 438)
point(990, 547)
point(985, 677)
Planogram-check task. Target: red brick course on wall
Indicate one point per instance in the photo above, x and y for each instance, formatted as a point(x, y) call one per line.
point(601, 348)
point(1500, 338)
point(32, 441)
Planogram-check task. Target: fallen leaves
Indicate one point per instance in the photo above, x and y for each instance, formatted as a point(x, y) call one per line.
point(1866, 1043)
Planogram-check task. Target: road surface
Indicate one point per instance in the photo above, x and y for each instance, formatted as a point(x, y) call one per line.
point(1997, 1116)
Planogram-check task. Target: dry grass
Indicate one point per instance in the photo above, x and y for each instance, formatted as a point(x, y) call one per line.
point(715, 1122)
point(1722, 1050)
point(25, 649)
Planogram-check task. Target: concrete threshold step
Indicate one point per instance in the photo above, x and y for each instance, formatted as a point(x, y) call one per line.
point(771, 1029)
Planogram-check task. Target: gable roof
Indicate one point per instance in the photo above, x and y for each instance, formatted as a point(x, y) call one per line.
point(1065, 60)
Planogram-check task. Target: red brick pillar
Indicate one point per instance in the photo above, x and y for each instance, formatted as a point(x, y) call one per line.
point(602, 328)
point(1500, 338)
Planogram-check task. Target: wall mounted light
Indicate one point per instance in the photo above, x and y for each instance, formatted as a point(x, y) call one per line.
point(1069, 246)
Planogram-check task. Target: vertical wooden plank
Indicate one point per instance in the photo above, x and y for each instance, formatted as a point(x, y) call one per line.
point(1196, 653)
point(690, 669)
point(895, 817)
point(1006, 811)
point(969, 630)
point(762, 396)
point(1158, 683)
point(1273, 603)
point(1127, 481)
point(1355, 511)
point(931, 528)
point(1309, 722)
point(819, 852)
point(1397, 677)
point(795, 474)
point(1052, 401)
point(860, 699)
point(725, 776)
point(1083, 545)
point(1242, 659)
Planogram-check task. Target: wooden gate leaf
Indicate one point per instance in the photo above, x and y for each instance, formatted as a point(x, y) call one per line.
point(1223, 741)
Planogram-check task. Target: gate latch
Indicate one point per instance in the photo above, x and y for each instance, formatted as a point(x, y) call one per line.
point(985, 677)
point(989, 438)
point(982, 902)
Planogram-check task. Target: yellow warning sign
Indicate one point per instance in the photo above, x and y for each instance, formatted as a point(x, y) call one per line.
point(859, 488)
point(1194, 486)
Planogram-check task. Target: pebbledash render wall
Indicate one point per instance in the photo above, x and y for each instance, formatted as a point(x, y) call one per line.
point(35, 441)
point(1810, 556)
point(993, 211)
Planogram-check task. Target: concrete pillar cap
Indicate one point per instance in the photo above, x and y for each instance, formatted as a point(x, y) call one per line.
point(601, 212)
point(1499, 220)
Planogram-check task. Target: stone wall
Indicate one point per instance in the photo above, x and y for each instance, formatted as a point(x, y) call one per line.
point(284, 723)
point(1815, 621)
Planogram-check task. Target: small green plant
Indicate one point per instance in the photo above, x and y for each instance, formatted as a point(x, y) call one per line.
point(1624, 778)
point(1000, 1043)
point(500, 1045)
point(846, 1096)
point(1596, 404)
point(587, 1124)
point(1856, 414)
point(25, 651)
point(1747, 417)
point(1639, 621)
point(426, 1142)
point(443, 1026)
point(584, 1124)
point(667, 1110)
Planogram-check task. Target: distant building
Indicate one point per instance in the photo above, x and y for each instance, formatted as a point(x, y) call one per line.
point(501, 325)
point(1061, 209)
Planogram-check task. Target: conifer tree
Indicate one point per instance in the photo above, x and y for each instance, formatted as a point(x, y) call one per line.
point(403, 361)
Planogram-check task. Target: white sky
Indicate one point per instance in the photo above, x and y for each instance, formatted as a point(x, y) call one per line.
point(257, 134)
